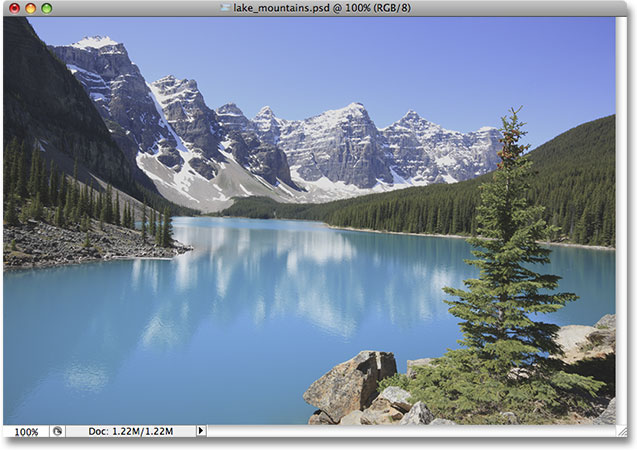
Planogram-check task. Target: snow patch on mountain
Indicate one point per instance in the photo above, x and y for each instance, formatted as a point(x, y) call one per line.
point(94, 42)
point(157, 98)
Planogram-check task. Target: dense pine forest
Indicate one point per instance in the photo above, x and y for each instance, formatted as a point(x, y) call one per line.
point(36, 191)
point(574, 178)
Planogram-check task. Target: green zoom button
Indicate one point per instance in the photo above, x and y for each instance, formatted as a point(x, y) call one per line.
point(47, 8)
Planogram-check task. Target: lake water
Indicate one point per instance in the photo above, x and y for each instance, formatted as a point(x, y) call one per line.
point(235, 331)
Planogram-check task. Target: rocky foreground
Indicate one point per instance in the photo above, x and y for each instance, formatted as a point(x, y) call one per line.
point(38, 244)
point(347, 394)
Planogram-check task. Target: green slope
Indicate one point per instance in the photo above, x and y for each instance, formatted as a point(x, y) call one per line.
point(574, 179)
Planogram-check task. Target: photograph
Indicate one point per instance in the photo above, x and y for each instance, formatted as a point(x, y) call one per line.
point(348, 221)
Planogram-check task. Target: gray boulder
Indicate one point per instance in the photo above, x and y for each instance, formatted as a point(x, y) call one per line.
point(604, 338)
point(397, 397)
point(510, 418)
point(608, 321)
point(374, 417)
point(571, 337)
point(396, 413)
point(413, 363)
point(442, 422)
point(419, 414)
point(608, 417)
point(353, 418)
point(350, 385)
point(320, 418)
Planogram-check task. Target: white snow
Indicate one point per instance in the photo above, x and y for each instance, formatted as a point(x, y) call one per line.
point(179, 181)
point(397, 178)
point(94, 42)
point(222, 149)
point(446, 160)
point(449, 179)
point(486, 129)
point(245, 190)
point(97, 78)
point(281, 186)
point(155, 94)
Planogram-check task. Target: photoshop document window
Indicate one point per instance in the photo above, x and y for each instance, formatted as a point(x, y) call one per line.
point(314, 219)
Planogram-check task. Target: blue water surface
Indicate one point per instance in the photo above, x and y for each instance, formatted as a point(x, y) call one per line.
point(235, 331)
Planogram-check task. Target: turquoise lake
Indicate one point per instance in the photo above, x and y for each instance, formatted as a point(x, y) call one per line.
point(235, 331)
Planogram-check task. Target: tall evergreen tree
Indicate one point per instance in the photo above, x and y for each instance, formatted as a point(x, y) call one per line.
point(144, 222)
point(132, 216)
point(116, 208)
point(53, 185)
point(497, 307)
point(159, 235)
point(91, 201)
point(7, 169)
point(36, 210)
point(108, 206)
point(15, 166)
point(34, 175)
point(43, 183)
point(97, 206)
point(59, 216)
point(21, 183)
point(104, 211)
point(167, 229)
point(68, 206)
point(501, 337)
point(10, 213)
point(62, 192)
point(153, 222)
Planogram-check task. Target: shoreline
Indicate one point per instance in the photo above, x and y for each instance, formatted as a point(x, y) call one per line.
point(369, 230)
point(459, 236)
point(88, 260)
point(37, 245)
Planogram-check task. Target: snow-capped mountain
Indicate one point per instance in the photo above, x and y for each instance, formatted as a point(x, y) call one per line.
point(425, 153)
point(171, 134)
point(201, 157)
point(340, 153)
point(122, 97)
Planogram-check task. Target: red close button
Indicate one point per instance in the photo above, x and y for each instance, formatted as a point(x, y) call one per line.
point(14, 8)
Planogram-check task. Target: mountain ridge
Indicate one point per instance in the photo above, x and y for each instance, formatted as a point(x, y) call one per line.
point(574, 179)
point(202, 157)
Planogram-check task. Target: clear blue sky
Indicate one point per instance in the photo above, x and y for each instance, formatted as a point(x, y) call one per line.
point(462, 73)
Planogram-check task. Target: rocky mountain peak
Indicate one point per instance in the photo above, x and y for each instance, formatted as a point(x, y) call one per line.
point(229, 109)
point(265, 113)
point(355, 108)
point(172, 84)
point(232, 118)
point(411, 115)
point(489, 130)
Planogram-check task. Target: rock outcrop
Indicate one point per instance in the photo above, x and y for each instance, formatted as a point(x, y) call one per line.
point(346, 395)
point(350, 385)
point(38, 244)
point(608, 417)
point(580, 342)
point(390, 406)
point(419, 414)
point(442, 422)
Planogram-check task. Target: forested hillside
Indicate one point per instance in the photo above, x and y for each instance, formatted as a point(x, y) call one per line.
point(574, 178)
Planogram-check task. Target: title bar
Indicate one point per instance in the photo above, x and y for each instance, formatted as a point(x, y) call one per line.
point(317, 8)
